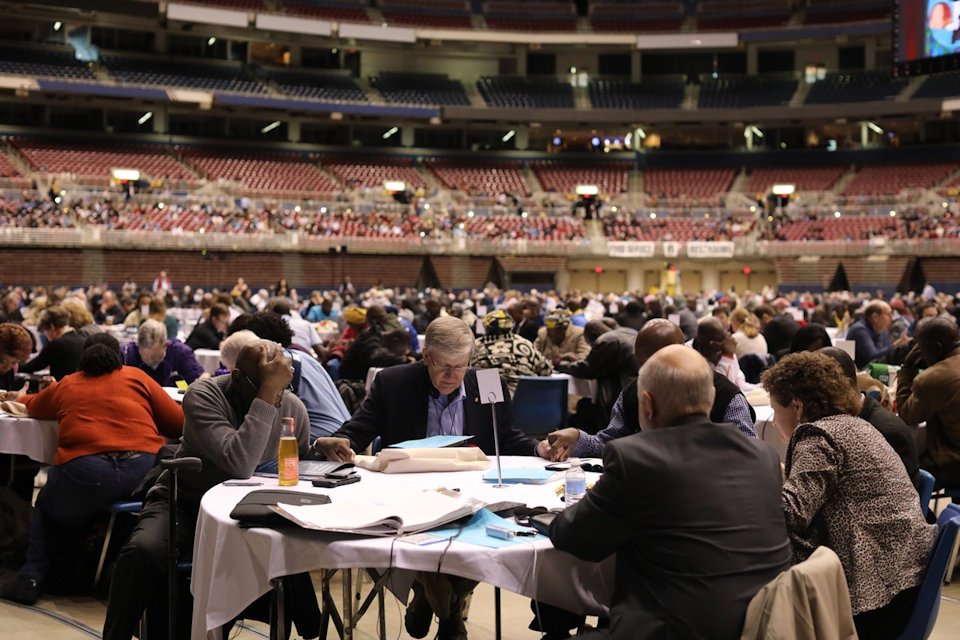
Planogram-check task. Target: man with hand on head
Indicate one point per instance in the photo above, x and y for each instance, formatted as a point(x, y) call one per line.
point(232, 423)
point(933, 396)
point(438, 396)
point(687, 560)
point(729, 406)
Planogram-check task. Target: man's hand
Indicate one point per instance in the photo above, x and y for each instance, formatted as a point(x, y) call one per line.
point(335, 449)
point(562, 442)
point(914, 358)
point(902, 340)
point(275, 374)
point(567, 357)
point(45, 381)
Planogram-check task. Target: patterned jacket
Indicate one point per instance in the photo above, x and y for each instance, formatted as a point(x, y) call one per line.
point(512, 355)
point(847, 489)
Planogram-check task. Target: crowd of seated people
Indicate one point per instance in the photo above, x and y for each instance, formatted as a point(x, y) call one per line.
point(599, 336)
point(907, 223)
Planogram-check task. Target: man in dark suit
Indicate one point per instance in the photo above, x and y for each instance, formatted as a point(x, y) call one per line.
point(438, 396)
point(688, 560)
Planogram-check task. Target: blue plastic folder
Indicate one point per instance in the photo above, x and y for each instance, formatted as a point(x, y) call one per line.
point(475, 531)
point(521, 475)
point(433, 442)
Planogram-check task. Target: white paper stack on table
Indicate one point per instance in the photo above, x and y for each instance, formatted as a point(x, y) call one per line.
point(385, 515)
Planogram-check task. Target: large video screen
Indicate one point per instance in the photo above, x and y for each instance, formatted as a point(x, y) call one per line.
point(926, 36)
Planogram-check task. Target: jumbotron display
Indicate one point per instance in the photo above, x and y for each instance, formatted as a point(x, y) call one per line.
point(926, 36)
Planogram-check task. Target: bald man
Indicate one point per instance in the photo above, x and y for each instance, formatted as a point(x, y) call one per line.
point(933, 396)
point(232, 423)
point(687, 560)
point(729, 404)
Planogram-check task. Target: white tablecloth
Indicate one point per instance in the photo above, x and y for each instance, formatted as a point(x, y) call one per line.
point(209, 359)
point(232, 566)
point(36, 439)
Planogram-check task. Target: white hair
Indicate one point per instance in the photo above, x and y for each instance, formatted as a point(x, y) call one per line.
point(233, 345)
point(151, 333)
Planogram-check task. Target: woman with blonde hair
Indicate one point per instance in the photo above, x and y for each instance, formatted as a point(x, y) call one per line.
point(80, 317)
point(746, 333)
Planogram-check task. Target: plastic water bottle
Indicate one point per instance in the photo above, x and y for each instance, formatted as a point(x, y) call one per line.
point(575, 483)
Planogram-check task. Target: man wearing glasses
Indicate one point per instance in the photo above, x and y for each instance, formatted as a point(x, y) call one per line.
point(438, 396)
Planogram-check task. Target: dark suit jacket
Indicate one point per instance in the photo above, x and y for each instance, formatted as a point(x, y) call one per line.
point(396, 410)
point(693, 514)
point(611, 362)
point(61, 355)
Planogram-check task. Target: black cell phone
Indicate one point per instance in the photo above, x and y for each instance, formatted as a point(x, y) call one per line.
point(332, 483)
point(557, 466)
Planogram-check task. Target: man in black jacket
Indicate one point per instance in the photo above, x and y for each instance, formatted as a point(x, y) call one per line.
point(687, 560)
point(64, 346)
point(439, 396)
point(211, 332)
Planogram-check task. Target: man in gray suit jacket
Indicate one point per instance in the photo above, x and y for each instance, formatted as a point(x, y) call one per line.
point(690, 508)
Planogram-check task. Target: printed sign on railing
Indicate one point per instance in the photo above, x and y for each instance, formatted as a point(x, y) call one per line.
point(698, 249)
point(630, 249)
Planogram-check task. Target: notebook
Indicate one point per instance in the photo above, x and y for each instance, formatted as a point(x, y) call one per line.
point(384, 515)
point(522, 475)
point(311, 469)
point(433, 442)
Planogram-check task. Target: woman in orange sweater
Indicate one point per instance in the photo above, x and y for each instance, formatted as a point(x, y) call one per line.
point(112, 421)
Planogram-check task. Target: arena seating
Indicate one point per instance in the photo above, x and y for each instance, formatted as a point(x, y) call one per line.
point(649, 94)
point(713, 15)
point(441, 14)
point(891, 179)
point(96, 162)
point(7, 169)
point(804, 178)
point(55, 62)
point(735, 92)
point(179, 74)
point(340, 10)
point(489, 178)
point(522, 93)
point(318, 86)
point(530, 228)
point(844, 228)
point(830, 11)
point(864, 86)
point(688, 183)
point(245, 5)
point(940, 85)
point(262, 172)
point(420, 88)
point(530, 16)
point(563, 177)
point(373, 172)
point(676, 229)
point(636, 17)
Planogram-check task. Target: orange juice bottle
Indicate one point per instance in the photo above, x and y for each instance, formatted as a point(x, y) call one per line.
point(288, 456)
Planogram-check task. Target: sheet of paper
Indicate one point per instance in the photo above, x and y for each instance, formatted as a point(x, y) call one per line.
point(475, 531)
point(433, 442)
point(522, 475)
point(847, 345)
point(488, 380)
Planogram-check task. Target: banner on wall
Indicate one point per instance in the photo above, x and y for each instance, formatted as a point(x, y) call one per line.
point(698, 249)
point(671, 249)
point(630, 249)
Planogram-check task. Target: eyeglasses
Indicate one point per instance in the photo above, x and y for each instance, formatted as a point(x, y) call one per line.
point(447, 369)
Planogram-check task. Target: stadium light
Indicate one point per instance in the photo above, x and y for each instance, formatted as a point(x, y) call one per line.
point(57, 25)
point(145, 117)
point(396, 186)
point(877, 130)
point(783, 189)
point(270, 127)
point(125, 174)
point(508, 135)
point(756, 131)
point(587, 190)
point(390, 132)
point(211, 41)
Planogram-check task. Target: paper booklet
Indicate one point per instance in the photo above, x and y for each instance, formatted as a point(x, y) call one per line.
point(388, 515)
point(433, 442)
point(425, 460)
